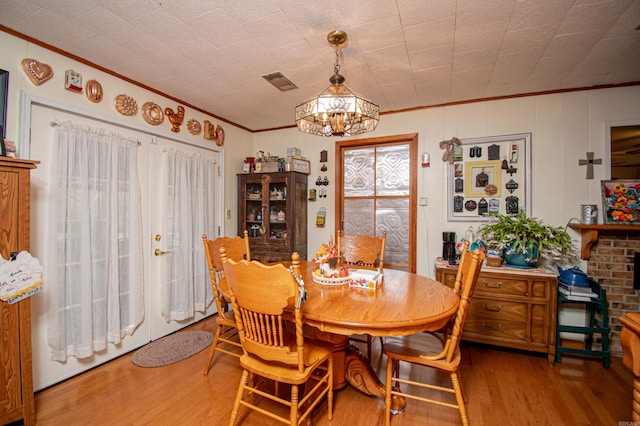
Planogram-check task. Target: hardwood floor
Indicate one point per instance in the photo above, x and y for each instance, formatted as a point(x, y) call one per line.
point(503, 388)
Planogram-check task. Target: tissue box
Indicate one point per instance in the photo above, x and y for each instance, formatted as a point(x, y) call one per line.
point(365, 278)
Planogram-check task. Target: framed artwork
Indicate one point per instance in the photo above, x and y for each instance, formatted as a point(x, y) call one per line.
point(489, 175)
point(482, 179)
point(620, 202)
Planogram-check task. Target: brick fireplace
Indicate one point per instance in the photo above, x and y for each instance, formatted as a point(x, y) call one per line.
point(611, 263)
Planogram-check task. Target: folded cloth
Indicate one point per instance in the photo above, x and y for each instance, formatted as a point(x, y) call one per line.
point(19, 278)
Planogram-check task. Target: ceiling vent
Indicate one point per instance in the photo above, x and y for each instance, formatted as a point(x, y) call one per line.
point(278, 80)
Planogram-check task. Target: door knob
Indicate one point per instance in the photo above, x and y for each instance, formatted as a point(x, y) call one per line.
point(159, 252)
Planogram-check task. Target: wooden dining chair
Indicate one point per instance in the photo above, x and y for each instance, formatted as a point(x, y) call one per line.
point(265, 298)
point(362, 252)
point(443, 333)
point(423, 349)
point(226, 338)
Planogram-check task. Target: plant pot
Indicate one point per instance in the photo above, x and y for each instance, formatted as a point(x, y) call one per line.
point(520, 259)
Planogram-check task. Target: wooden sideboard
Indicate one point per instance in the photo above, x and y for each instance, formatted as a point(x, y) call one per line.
point(16, 382)
point(514, 308)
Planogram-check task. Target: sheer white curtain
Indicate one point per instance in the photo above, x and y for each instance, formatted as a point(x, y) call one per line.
point(95, 288)
point(188, 208)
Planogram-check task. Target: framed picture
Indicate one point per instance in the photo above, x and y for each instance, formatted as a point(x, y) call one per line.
point(482, 179)
point(300, 166)
point(489, 175)
point(620, 202)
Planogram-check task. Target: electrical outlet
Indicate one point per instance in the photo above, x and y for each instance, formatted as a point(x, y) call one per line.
point(423, 201)
point(228, 213)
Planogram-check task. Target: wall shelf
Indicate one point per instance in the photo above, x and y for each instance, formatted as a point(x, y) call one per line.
point(589, 234)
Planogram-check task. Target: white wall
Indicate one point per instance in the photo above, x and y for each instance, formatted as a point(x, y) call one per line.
point(563, 126)
point(14, 50)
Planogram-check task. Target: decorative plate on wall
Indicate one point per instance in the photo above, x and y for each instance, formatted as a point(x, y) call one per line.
point(194, 126)
point(152, 113)
point(219, 135)
point(37, 72)
point(126, 105)
point(93, 91)
point(209, 130)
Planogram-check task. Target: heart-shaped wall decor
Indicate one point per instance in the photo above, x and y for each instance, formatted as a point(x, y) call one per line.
point(37, 72)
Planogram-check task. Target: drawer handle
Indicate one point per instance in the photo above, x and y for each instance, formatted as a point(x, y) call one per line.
point(485, 325)
point(486, 284)
point(486, 308)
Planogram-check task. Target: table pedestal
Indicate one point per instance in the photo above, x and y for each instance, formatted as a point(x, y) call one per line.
point(351, 366)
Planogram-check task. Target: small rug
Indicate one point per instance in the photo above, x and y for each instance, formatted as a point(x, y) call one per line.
point(172, 348)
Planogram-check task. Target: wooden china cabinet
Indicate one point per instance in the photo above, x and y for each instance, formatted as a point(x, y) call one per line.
point(16, 382)
point(272, 207)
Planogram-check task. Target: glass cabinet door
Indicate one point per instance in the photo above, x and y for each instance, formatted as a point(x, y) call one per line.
point(278, 209)
point(253, 208)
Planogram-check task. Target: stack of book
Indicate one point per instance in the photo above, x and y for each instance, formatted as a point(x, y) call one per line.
point(577, 293)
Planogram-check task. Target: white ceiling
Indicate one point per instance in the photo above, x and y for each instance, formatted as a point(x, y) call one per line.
point(401, 54)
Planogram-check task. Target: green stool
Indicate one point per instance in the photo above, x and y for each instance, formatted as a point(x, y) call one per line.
point(597, 323)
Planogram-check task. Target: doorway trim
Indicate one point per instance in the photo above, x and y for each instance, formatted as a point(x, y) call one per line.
point(608, 125)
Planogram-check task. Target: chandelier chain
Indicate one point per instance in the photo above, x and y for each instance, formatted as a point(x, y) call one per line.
point(336, 67)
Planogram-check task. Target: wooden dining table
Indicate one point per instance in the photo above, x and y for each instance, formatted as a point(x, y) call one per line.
point(404, 304)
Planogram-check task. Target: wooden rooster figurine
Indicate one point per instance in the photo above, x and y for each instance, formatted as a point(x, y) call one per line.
point(175, 118)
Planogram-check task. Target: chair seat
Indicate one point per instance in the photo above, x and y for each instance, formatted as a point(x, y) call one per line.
point(315, 351)
point(417, 348)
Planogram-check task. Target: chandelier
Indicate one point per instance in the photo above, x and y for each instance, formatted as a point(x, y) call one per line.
point(337, 111)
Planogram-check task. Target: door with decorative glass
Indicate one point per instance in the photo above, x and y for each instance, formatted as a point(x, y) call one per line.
point(377, 186)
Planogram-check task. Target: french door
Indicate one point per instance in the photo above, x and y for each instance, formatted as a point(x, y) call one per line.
point(184, 188)
point(376, 192)
point(154, 215)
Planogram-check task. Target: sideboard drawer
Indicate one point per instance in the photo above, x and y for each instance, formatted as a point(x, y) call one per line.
point(503, 286)
point(500, 310)
point(495, 329)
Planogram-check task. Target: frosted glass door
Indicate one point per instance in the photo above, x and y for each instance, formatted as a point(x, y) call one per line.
point(376, 197)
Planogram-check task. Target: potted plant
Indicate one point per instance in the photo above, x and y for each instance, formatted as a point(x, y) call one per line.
point(523, 239)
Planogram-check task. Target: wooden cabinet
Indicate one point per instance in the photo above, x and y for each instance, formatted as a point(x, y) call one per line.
point(272, 207)
point(511, 308)
point(16, 382)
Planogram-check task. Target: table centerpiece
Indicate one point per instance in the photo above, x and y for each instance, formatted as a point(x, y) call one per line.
point(329, 272)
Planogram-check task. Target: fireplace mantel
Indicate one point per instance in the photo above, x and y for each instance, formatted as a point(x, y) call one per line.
point(590, 234)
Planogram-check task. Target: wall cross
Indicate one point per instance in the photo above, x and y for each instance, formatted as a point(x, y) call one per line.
point(589, 162)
